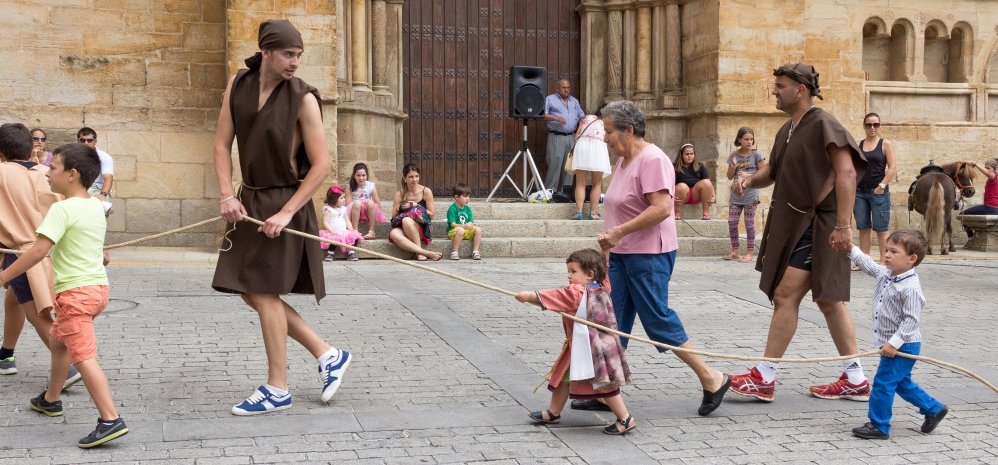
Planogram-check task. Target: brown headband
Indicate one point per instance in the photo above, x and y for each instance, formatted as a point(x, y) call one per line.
point(802, 73)
point(274, 34)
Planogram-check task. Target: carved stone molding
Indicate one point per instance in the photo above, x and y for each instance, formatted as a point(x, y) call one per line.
point(379, 36)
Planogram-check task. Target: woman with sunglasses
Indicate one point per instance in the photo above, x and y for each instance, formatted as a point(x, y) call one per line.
point(38, 153)
point(873, 197)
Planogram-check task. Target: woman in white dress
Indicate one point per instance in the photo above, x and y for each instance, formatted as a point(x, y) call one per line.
point(591, 157)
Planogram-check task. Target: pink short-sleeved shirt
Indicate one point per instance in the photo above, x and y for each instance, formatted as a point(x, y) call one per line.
point(649, 171)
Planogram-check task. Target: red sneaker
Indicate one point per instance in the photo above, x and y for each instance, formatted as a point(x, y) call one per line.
point(843, 389)
point(751, 385)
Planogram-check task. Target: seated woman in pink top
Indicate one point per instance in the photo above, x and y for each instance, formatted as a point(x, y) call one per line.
point(640, 236)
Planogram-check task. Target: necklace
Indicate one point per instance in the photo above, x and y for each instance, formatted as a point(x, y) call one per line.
point(792, 125)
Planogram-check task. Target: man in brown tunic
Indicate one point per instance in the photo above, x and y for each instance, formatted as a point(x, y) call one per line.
point(814, 165)
point(277, 122)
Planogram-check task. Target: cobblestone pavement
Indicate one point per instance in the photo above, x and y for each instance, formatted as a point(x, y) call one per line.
point(444, 373)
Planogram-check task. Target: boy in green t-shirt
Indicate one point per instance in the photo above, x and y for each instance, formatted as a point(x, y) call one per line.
point(461, 223)
point(74, 230)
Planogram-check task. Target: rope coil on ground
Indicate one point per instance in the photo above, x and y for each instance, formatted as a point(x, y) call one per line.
point(717, 355)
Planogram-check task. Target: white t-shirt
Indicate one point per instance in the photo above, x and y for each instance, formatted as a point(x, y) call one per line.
point(337, 217)
point(106, 167)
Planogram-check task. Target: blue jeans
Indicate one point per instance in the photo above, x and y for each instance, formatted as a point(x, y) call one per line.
point(894, 376)
point(872, 210)
point(640, 286)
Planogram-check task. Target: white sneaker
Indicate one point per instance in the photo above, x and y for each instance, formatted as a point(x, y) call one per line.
point(332, 373)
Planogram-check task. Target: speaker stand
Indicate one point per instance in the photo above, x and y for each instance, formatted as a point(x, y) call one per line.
point(528, 161)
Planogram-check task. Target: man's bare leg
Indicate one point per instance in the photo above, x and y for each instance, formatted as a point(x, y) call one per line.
point(760, 381)
point(710, 378)
point(786, 310)
point(300, 331)
point(13, 324)
point(274, 325)
point(42, 322)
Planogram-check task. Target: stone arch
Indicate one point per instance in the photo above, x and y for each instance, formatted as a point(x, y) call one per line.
point(876, 47)
point(936, 53)
point(901, 50)
point(961, 53)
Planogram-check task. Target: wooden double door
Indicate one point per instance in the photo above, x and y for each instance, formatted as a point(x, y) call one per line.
point(457, 55)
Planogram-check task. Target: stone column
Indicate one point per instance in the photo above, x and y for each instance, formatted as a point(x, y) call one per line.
point(643, 57)
point(358, 45)
point(658, 49)
point(379, 35)
point(630, 52)
point(393, 58)
point(593, 56)
point(673, 53)
point(614, 60)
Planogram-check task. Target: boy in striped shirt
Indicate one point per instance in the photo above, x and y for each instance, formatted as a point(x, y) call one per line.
point(897, 305)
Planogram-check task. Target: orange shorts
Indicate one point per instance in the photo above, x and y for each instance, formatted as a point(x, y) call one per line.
point(75, 311)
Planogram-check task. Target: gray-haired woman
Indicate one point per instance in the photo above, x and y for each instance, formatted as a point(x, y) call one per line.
point(640, 237)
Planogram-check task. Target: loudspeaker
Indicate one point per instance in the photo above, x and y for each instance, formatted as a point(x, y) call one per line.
point(526, 91)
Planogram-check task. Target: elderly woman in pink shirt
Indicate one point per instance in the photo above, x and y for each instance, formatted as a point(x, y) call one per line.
point(640, 236)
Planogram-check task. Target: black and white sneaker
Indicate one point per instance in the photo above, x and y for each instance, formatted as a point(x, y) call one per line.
point(104, 433)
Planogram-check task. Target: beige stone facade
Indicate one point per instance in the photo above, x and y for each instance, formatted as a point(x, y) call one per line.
point(149, 76)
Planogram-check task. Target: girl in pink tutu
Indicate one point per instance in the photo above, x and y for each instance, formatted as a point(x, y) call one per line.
point(363, 202)
point(336, 224)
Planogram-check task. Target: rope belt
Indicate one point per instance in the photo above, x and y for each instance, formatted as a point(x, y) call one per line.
point(717, 355)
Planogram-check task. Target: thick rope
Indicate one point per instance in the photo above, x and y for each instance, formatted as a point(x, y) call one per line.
point(701, 353)
point(599, 327)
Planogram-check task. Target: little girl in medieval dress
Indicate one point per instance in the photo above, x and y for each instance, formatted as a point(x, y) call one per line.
point(591, 364)
point(336, 225)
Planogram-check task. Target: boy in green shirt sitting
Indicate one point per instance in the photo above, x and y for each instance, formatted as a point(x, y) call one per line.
point(461, 223)
point(73, 230)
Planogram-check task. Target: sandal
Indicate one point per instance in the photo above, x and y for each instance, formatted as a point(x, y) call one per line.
point(628, 425)
point(745, 259)
point(730, 256)
point(476, 255)
point(578, 216)
point(594, 216)
point(438, 256)
point(538, 417)
point(369, 235)
point(455, 256)
point(706, 216)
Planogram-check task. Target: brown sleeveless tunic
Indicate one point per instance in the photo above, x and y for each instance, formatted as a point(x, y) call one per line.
point(800, 168)
point(255, 263)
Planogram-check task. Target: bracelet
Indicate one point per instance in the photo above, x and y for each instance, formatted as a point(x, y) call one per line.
point(848, 226)
point(227, 199)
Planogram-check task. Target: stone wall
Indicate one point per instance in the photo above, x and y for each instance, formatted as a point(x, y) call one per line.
point(148, 77)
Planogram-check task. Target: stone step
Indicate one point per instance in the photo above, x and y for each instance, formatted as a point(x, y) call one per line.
point(507, 210)
point(563, 228)
point(543, 247)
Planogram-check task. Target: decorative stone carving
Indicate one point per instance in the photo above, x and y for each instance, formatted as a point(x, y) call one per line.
point(379, 35)
point(614, 76)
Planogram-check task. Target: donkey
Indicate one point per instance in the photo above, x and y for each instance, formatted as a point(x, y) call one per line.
point(935, 195)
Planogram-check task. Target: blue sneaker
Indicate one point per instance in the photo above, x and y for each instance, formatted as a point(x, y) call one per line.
point(332, 373)
point(262, 401)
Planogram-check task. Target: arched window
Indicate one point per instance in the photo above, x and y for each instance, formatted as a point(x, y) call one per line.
point(961, 53)
point(901, 50)
point(937, 48)
point(876, 45)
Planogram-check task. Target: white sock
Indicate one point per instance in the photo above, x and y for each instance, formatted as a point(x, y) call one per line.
point(854, 370)
point(767, 370)
point(329, 355)
point(277, 392)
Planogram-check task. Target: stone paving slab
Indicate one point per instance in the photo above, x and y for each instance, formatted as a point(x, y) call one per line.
point(445, 373)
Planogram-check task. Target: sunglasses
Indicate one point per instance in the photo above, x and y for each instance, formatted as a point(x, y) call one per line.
point(85, 140)
point(38, 139)
point(872, 125)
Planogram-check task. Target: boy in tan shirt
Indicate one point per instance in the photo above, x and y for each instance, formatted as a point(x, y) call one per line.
point(25, 197)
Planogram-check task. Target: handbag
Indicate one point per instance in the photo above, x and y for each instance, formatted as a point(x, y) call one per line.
point(416, 212)
point(571, 152)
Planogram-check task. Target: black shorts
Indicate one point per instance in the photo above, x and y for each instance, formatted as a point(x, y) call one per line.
point(22, 291)
point(800, 258)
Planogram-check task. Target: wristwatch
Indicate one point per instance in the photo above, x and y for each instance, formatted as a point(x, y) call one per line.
point(882, 185)
point(108, 194)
